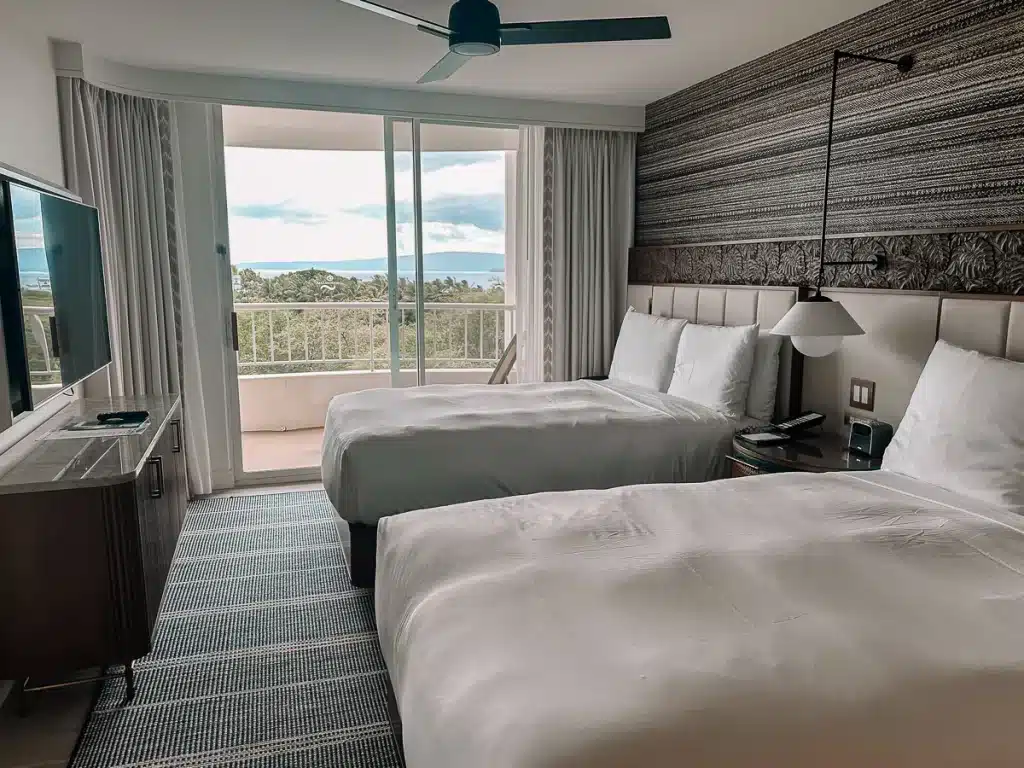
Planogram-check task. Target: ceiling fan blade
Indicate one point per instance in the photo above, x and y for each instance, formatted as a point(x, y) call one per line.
point(445, 68)
point(427, 26)
point(586, 31)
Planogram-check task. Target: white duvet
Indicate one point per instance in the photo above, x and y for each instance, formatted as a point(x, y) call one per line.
point(391, 450)
point(784, 621)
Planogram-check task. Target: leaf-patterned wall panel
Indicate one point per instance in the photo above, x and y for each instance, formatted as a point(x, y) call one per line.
point(971, 262)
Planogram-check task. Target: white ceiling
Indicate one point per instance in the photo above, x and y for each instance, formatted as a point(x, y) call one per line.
point(326, 40)
point(291, 129)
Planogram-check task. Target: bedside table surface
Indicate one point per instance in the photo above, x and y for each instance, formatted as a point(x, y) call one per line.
point(812, 452)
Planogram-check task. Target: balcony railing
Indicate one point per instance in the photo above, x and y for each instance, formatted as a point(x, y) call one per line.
point(298, 337)
point(44, 367)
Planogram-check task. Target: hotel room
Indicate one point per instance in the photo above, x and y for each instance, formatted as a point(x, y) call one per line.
point(654, 396)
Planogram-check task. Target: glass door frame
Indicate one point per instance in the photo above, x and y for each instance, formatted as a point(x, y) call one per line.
point(394, 315)
point(243, 477)
point(249, 478)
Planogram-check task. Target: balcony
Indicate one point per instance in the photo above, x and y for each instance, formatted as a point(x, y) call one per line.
point(293, 358)
point(44, 366)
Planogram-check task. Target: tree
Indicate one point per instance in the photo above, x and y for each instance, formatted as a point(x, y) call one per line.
point(291, 340)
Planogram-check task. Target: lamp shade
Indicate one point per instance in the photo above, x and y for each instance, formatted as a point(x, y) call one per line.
point(817, 326)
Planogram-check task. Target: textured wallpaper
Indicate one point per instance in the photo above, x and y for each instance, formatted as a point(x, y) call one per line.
point(741, 156)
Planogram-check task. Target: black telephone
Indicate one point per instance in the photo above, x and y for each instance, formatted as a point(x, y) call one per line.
point(799, 424)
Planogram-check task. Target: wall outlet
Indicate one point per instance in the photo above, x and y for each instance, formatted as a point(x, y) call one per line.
point(862, 394)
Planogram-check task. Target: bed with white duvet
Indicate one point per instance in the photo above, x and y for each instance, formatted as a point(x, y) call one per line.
point(675, 395)
point(797, 620)
point(392, 450)
point(788, 620)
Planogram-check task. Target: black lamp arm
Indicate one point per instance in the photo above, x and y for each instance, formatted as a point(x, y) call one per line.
point(904, 64)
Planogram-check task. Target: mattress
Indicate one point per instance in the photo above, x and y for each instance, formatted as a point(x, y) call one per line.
point(789, 620)
point(387, 451)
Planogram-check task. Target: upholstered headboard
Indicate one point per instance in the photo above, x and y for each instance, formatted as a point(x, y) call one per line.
point(901, 330)
point(731, 305)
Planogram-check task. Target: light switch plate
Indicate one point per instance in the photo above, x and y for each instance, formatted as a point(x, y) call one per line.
point(862, 394)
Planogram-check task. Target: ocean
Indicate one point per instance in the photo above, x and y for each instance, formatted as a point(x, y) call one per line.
point(39, 280)
point(481, 279)
point(34, 280)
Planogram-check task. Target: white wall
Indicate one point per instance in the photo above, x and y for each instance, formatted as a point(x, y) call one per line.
point(29, 131)
point(30, 142)
point(287, 401)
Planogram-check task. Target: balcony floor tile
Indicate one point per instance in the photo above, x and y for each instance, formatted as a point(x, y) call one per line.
point(295, 449)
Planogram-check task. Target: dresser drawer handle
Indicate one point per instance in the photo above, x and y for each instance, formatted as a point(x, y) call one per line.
point(156, 489)
point(176, 437)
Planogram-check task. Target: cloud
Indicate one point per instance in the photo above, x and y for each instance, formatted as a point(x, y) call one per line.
point(277, 212)
point(435, 161)
point(28, 230)
point(347, 236)
point(486, 212)
point(25, 204)
point(451, 233)
point(29, 226)
point(297, 205)
point(28, 240)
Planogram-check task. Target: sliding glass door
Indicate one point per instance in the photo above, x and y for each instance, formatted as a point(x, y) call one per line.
point(365, 252)
point(451, 194)
point(462, 186)
point(403, 180)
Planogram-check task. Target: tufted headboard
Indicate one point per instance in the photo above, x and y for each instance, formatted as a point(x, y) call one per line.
point(901, 329)
point(731, 305)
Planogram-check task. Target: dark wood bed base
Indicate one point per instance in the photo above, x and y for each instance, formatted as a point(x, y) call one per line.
point(362, 563)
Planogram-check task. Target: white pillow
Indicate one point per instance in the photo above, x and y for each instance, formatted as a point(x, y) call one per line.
point(646, 350)
point(964, 427)
point(713, 366)
point(764, 377)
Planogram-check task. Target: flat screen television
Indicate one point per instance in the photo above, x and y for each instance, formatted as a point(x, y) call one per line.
point(55, 313)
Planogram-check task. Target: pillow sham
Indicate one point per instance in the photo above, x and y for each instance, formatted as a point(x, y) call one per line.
point(713, 366)
point(964, 427)
point(646, 350)
point(764, 377)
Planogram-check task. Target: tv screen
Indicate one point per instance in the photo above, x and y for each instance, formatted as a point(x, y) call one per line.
point(60, 277)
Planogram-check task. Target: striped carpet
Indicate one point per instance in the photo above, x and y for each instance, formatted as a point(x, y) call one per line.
point(264, 654)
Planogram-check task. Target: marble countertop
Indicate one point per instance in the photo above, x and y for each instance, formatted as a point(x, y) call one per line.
point(91, 459)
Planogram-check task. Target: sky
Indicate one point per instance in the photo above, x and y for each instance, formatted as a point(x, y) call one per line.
point(28, 218)
point(310, 205)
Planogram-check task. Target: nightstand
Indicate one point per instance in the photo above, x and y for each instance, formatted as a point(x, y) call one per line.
point(811, 452)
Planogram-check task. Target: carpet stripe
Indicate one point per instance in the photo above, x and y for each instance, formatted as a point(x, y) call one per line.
point(264, 654)
point(363, 746)
point(254, 563)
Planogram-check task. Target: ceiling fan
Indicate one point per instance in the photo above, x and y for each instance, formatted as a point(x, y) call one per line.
point(475, 29)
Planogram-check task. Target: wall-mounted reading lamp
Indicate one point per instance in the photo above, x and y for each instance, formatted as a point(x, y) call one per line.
point(817, 325)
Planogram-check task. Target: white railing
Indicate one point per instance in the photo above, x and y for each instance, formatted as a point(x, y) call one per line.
point(335, 336)
point(43, 366)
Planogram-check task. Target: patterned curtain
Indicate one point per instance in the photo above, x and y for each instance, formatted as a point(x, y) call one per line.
point(121, 155)
point(588, 204)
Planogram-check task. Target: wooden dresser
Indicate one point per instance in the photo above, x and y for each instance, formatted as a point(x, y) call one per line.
point(88, 527)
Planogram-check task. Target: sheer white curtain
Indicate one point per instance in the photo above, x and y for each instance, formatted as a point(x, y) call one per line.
point(529, 240)
point(121, 155)
point(591, 211)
